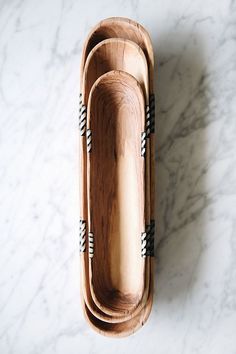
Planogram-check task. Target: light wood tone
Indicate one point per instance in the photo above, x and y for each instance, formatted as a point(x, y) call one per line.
point(142, 39)
point(116, 192)
point(124, 328)
point(120, 27)
point(124, 55)
point(115, 54)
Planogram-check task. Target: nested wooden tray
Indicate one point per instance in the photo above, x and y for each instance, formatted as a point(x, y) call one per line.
point(117, 278)
point(120, 27)
point(123, 55)
point(116, 192)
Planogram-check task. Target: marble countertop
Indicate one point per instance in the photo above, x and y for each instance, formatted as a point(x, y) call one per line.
point(194, 307)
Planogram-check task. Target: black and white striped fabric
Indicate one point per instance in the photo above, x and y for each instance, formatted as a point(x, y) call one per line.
point(152, 113)
point(143, 144)
point(82, 235)
point(82, 116)
point(148, 229)
point(152, 238)
point(91, 244)
point(89, 140)
point(144, 243)
point(148, 121)
point(149, 127)
point(147, 240)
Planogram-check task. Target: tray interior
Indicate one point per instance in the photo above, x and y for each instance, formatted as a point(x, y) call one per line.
point(116, 189)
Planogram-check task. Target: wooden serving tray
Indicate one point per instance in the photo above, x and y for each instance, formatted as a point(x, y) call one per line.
point(119, 54)
point(116, 192)
point(124, 328)
point(120, 218)
point(121, 27)
point(108, 304)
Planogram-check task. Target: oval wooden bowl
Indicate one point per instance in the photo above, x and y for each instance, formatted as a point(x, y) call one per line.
point(120, 27)
point(115, 27)
point(116, 192)
point(115, 54)
point(124, 328)
point(124, 55)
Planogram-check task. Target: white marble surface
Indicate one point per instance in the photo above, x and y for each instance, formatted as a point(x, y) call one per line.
point(195, 299)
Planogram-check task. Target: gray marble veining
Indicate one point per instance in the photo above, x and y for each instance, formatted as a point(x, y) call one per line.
point(194, 307)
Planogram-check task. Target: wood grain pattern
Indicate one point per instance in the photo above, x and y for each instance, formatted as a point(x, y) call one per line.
point(115, 54)
point(124, 55)
point(121, 27)
point(116, 191)
point(124, 28)
point(124, 328)
point(120, 54)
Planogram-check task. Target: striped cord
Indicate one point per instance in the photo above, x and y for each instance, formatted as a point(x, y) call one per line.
point(146, 134)
point(147, 240)
point(91, 244)
point(89, 140)
point(143, 244)
point(82, 116)
point(143, 144)
point(82, 235)
point(148, 121)
point(152, 113)
point(152, 238)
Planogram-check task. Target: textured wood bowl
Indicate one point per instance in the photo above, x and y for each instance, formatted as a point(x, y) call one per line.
point(120, 27)
point(124, 328)
point(126, 29)
point(123, 55)
point(115, 54)
point(116, 192)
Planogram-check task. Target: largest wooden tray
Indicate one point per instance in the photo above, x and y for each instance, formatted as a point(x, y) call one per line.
point(139, 35)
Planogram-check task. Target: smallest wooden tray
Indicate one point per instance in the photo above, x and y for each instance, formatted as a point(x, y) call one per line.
point(116, 192)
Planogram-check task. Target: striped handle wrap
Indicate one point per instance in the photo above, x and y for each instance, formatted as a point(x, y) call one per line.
point(82, 235)
point(152, 238)
point(89, 140)
point(148, 229)
point(82, 116)
point(91, 244)
point(144, 243)
point(152, 113)
point(148, 121)
point(146, 134)
point(143, 144)
point(147, 240)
